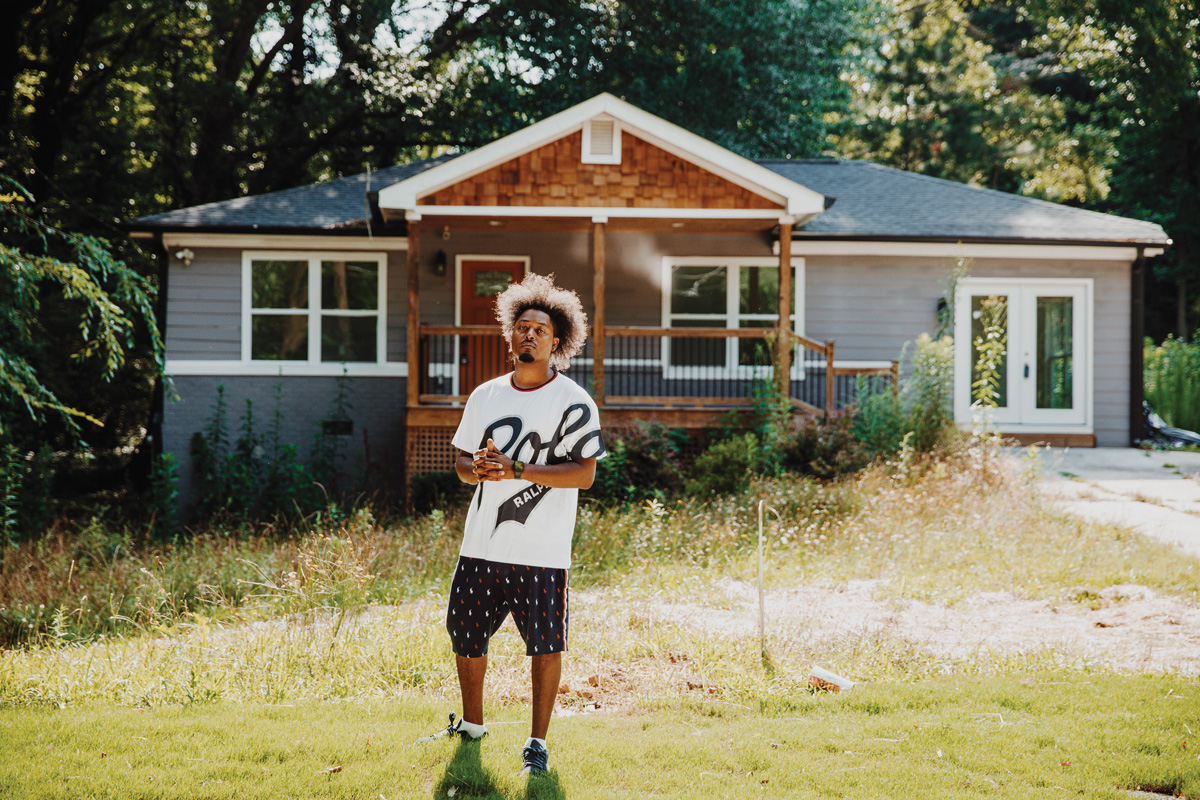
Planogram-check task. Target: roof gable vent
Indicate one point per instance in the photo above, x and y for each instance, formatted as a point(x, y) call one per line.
point(601, 141)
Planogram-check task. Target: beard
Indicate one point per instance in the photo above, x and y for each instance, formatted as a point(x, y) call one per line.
point(526, 357)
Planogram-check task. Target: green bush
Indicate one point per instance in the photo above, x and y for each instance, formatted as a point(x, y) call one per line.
point(825, 448)
point(642, 462)
point(726, 466)
point(438, 491)
point(923, 409)
point(1171, 377)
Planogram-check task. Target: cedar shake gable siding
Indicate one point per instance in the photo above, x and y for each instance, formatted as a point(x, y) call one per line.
point(554, 175)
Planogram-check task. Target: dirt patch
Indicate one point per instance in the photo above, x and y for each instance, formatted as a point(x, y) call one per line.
point(1127, 627)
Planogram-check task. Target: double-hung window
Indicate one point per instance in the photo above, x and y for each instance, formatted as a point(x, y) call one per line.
point(731, 293)
point(314, 308)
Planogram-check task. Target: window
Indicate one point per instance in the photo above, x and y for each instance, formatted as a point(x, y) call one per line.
point(314, 308)
point(726, 293)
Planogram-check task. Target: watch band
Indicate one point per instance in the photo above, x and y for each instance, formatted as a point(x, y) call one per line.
point(518, 468)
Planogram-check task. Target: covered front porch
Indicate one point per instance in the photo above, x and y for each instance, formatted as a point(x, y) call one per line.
point(686, 374)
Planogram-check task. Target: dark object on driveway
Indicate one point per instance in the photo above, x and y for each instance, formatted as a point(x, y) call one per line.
point(1159, 432)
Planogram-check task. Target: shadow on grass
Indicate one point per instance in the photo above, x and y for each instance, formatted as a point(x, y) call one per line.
point(468, 778)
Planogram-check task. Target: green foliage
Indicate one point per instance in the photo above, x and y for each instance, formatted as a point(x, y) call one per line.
point(951, 89)
point(928, 390)
point(163, 497)
point(1172, 381)
point(325, 464)
point(26, 492)
point(726, 466)
point(254, 477)
point(991, 347)
point(439, 491)
point(108, 301)
point(827, 448)
point(642, 462)
point(921, 414)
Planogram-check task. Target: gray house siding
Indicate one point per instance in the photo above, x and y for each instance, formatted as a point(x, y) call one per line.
point(870, 306)
point(204, 306)
point(377, 413)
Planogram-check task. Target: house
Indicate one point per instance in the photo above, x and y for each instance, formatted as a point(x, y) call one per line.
point(675, 246)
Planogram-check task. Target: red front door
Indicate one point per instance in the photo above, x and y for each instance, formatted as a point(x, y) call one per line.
point(484, 357)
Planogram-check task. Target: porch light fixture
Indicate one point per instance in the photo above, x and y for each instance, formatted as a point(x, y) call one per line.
point(186, 255)
point(439, 263)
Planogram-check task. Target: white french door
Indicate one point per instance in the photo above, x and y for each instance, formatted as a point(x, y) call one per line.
point(1043, 331)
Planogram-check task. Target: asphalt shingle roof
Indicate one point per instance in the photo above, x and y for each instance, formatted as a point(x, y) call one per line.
point(871, 201)
point(877, 201)
point(327, 205)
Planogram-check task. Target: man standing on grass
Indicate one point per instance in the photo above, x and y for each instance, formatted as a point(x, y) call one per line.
point(530, 441)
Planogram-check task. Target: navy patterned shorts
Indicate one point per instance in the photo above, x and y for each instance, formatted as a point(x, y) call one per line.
point(484, 592)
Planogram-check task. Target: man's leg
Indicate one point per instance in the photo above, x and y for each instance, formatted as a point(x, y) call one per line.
point(546, 671)
point(470, 683)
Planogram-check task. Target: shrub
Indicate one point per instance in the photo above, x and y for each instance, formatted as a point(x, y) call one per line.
point(1171, 377)
point(825, 448)
point(929, 391)
point(438, 491)
point(643, 462)
point(923, 409)
point(726, 466)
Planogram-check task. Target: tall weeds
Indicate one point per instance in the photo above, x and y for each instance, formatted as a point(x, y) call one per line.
point(1172, 381)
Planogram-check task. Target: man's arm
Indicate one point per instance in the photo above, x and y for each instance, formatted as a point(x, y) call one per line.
point(492, 465)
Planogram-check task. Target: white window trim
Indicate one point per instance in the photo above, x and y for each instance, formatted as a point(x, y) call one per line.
point(732, 369)
point(313, 364)
point(963, 357)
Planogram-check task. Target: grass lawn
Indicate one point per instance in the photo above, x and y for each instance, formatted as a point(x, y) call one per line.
point(1068, 735)
point(255, 664)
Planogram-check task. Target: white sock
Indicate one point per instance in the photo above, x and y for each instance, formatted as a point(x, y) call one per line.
point(471, 729)
point(531, 740)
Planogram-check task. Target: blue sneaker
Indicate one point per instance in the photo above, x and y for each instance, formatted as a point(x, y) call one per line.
point(537, 759)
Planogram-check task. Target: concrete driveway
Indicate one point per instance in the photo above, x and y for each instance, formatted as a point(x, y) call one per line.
point(1155, 493)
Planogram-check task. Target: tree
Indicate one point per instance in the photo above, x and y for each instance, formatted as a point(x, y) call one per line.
point(115, 110)
point(1150, 74)
point(960, 91)
point(107, 299)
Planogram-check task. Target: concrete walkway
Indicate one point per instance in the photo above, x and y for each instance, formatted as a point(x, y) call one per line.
point(1155, 493)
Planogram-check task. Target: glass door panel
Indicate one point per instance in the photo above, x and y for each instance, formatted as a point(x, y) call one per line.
point(1055, 361)
point(989, 348)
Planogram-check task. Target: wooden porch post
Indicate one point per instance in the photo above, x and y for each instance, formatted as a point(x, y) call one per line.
point(830, 381)
point(598, 257)
point(783, 361)
point(414, 310)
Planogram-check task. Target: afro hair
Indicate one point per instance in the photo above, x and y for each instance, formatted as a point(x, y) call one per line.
point(566, 313)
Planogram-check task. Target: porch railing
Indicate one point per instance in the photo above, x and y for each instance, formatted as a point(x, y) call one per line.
point(660, 367)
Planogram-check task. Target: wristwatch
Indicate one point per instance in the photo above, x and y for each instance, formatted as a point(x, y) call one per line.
point(518, 468)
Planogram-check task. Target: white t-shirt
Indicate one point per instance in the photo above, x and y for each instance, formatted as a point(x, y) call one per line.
point(515, 521)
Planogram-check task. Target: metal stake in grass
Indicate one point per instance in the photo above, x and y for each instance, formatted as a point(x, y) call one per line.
point(762, 605)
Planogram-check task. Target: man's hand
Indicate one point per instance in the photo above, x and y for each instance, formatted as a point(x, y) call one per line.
point(489, 464)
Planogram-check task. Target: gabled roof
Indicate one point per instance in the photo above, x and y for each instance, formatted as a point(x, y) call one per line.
point(871, 202)
point(794, 198)
point(878, 202)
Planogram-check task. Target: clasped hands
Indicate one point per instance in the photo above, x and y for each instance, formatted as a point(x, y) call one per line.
point(489, 464)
